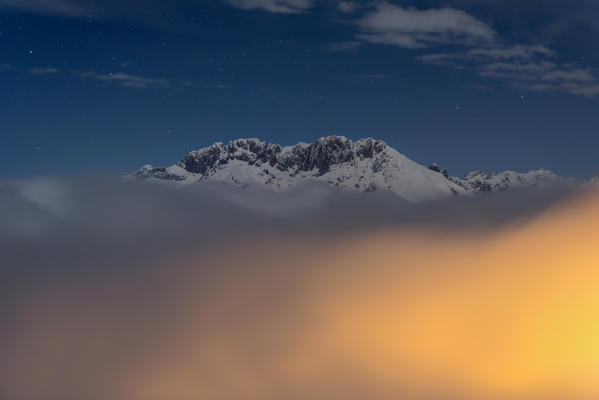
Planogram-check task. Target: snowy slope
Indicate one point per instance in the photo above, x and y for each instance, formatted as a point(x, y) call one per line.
point(479, 181)
point(361, 166)
point(364, 165)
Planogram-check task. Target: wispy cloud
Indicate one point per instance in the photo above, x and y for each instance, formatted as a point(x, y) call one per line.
point(491, 53)
point(43, 71)
point(510, 52)
point(414, 28)
point(274, 6)
point(347, 7)
point(533, 67)
point(72, 8)
point(469, 42)
point(345, 46)
point(124, 79)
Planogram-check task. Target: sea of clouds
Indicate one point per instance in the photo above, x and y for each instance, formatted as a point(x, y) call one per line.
point(121, 290)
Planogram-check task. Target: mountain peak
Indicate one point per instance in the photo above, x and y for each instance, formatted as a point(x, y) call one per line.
point(363, 165)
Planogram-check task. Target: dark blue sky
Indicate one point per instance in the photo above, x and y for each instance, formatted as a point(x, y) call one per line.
point(106, 86)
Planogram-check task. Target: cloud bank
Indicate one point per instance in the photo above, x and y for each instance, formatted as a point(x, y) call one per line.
point(137, 291)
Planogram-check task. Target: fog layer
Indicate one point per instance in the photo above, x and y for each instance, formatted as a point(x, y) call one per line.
point(126, 291)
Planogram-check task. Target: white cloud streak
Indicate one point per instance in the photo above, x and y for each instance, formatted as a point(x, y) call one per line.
point(273, 6)
point(69, 8)
point(125, 79)
point(43, 71)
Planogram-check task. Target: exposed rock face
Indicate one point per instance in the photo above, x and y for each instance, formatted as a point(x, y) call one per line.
point(158, 173)
point(441, 170)
point(319, 156)
point(481, 182)
point(364, 165)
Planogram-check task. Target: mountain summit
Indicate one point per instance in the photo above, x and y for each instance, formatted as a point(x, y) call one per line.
point(363, 165)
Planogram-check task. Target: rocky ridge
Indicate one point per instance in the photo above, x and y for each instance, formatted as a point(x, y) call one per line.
point(363, 165)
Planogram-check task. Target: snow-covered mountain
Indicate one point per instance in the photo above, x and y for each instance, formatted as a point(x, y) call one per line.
point(479, 181)
point(362, 166)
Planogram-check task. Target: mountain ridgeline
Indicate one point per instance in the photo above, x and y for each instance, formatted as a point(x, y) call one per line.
point(364, 165)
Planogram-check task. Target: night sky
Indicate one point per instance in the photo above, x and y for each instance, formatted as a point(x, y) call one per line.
point(107, 86)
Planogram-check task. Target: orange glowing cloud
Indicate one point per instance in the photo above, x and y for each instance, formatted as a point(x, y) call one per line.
point(507, 314)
